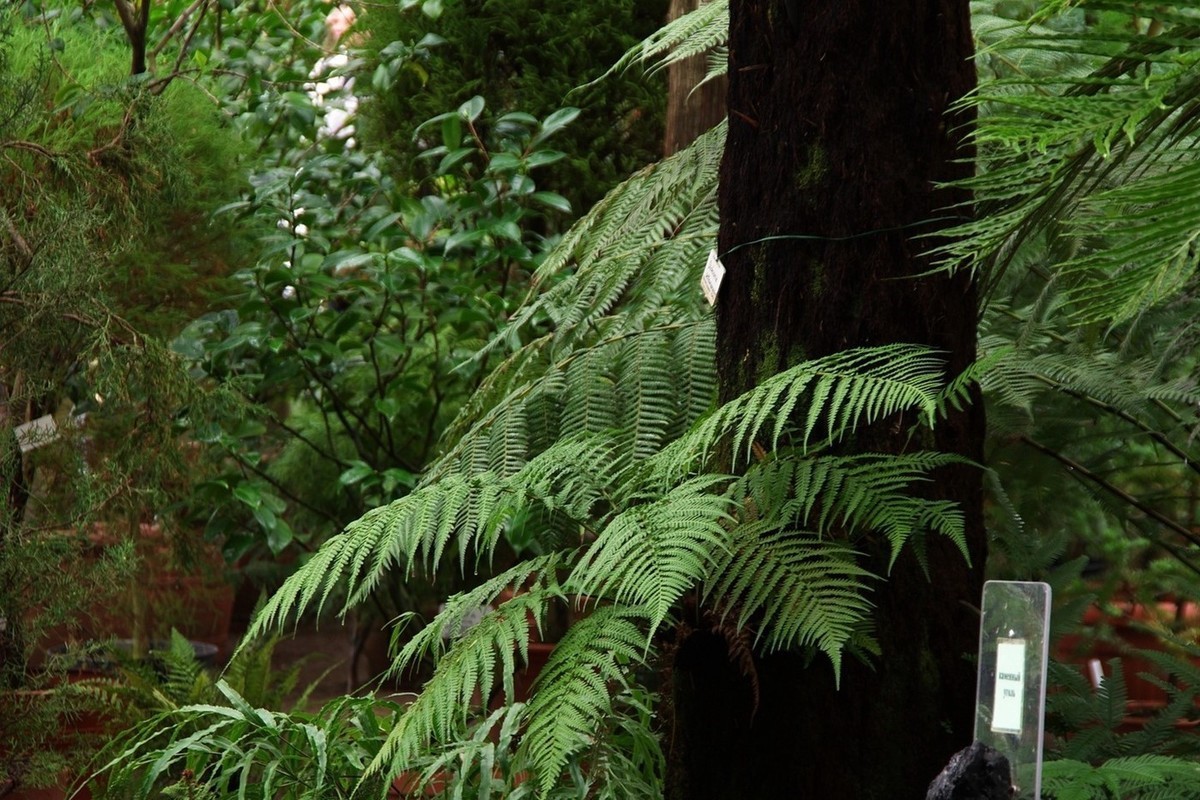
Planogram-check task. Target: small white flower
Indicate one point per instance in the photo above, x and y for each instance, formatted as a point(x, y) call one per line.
point(302, 229)
point(289, 292)
point(283, 224)
point(335, 121)
point(350, 143)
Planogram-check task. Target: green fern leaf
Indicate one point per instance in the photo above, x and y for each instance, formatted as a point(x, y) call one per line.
point(650, 554)
point(865, 385)
point(573, 692)
point(799, 588)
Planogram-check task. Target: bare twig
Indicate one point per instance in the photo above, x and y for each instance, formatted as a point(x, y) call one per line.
point(176, 26)
point(1115, 491)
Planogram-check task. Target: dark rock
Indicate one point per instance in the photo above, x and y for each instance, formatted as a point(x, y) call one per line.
point(978, 772)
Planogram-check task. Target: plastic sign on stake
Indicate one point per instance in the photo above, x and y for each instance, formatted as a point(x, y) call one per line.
point(1011, 696)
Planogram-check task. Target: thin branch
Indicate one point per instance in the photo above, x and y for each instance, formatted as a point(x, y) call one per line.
point(331, 455)
point(159, 85)
point(1156, 435)
point(1115, 491)
point(32, 147)
point(13, 299)
point(176, 26)
point(260, 472)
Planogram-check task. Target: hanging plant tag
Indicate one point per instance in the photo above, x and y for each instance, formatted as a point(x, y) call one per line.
point(710, 281)
point(1011, 696)
point(35, 433)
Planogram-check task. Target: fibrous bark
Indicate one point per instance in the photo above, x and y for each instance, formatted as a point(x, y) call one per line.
point(839, 133)
point(693, 106)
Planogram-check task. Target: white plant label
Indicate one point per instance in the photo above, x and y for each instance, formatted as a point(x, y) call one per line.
point(710, 281)
point(36, 433)
point(1009, 700)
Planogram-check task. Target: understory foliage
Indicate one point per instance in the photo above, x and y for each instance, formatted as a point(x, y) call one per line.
point(602, 430)
point(375, 279)
point(523, 55)
point(597, 440)
point(105, 188)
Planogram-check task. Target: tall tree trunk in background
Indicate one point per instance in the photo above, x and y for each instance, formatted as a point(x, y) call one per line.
point(838, 130)
point(690, 113)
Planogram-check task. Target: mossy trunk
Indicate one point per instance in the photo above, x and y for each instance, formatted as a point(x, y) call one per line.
point(838, 135)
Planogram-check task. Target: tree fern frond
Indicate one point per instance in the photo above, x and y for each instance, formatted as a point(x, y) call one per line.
point(584, 385)
point(668, 206)
point(1055, 143)
point(574, 689)
point(646, 384)
point(416, 530)
point(650, 554)
point(590, 403)
point(693, 33)
point(1121, 777)
point(839, 392)
point(473, 663)
point(1150, 252)
point(856, 493)
point(1132, 386)
point(513, 379)
point(808, 589)
point(450, 623)
point(509, 446)
point(694, 353)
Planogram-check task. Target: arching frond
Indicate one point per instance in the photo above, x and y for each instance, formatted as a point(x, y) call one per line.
point(574, 690)
point(590, 404)
point(665, 213)
point(643, 247)
point(646, 384)
point(450, 623)
point(692, 34)
point(799, 588)
point(480, 656)
point(867, 492)
point(418, 529)
point(651, 553)
point(694, 356)
point(835, 395)
point(1150, 253)
point(1100, 158)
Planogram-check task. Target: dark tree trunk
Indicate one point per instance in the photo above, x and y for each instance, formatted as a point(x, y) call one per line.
point(690, 110)
point(135, 19)
point(838, 133)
